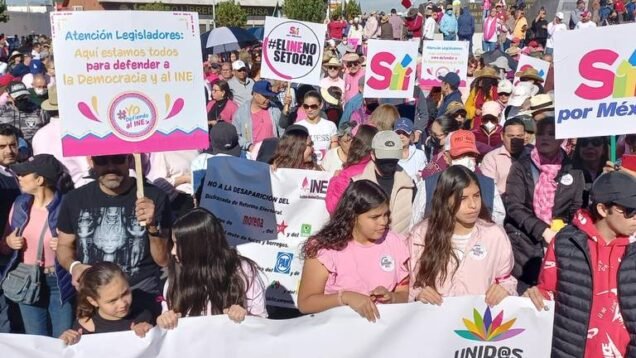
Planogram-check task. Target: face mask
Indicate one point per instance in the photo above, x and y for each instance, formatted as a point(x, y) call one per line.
point(468, 162)
point(44, 53)
point(39, 91)
point(386, 167)
point(516, 146)
point(435, 143)
point(489, 126)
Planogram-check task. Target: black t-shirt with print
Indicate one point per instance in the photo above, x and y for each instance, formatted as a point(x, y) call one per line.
point(106, 229)
point(103, 325)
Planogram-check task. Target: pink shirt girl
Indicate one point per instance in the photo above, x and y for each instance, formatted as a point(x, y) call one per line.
point(487, 259)
point(362, 268)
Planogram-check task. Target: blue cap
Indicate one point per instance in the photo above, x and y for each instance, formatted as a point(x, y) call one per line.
point(404, 125)
point(451, 78)
point(264, 88)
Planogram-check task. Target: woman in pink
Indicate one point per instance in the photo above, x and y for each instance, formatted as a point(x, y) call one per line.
point(221, 107)
point(457, 250)
point(355, 260)
point(357, 159)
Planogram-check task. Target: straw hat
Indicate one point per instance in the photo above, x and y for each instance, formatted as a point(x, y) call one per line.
point(384, 19)
point(541, 102)
point(531, 73)
point(479, 52)
point(333, 62)
point(351, 57)
point(455, 107)
point(51, 103)
point(513, 51)
point(488, 72)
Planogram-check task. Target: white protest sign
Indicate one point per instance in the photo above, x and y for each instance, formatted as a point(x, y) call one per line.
point(526, 62)
point(512, 329)
point(441, 57)
point(127, 81)
point(292, 50)
point(390, 71)
point(267, 216)
point(595, 82)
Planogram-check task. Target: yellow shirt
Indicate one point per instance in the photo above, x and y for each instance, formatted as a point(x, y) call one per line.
point(519, 32)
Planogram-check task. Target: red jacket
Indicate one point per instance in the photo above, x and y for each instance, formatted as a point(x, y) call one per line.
point(415, 25)
point(490, 141)
point(606, 331)
point(334, 29)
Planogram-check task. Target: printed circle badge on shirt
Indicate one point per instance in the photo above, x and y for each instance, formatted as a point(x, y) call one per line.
point(387, 263)
point(567, 179)
point(478, 252)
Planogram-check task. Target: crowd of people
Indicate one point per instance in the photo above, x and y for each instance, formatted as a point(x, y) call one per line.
point(455, 191)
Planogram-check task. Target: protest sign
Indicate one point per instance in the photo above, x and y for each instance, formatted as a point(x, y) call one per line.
point(595, 82)
point(441, 57)
point(390, 71)
point(292, 50)
point(461, 327)
point(129, 81)
point(267, 216)
point(526, 62)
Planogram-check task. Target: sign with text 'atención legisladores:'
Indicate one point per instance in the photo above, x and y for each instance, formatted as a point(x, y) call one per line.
point(292, 50)
point(128, 81)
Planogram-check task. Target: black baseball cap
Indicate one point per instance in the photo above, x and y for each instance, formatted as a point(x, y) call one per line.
point(615, 188)
point(224, 139)
point(44, 165)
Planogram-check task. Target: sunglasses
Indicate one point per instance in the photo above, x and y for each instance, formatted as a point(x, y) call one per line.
point(242, 69)
point(352, 64)
point(333, 68)
point(503, 94)
point(628, 213)
point(311, 106)
point(596, 142)
point(113, 159)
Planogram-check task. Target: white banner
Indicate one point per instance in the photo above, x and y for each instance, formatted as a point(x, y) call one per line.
point(526, 62)
point(126, 81)
point(595, 82)
point(292, 50)
point(462, 327)
point(441, 57)
point(390, 71)
point(268, 216)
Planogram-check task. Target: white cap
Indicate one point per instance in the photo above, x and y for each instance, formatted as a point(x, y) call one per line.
point(504, 86)
point(560, 15)
point(238, 64)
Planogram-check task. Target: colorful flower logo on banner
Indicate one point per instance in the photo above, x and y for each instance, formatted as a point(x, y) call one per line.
point(397, 73)
point(486, 329)
point(620, 83)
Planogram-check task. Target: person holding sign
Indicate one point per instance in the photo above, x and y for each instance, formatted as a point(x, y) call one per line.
point(458, 250)
point(321, 130)
point(101, 221)
point(355, 260)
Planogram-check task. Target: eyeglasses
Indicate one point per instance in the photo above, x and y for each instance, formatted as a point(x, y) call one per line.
point(595, 142)
point(113, 159)
point(333, 68)
point(503, 94)
point(352, 64)
point(242, 69)
point(313, 107)
point(628, 213)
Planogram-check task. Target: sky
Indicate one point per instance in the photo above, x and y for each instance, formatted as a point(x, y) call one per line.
point(382, 5)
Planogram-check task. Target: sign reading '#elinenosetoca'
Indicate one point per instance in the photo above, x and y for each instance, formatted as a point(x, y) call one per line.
point(292, 50)
point(126, 81)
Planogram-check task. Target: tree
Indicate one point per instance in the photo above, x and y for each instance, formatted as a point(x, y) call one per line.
point(4, 16)
point(352, 9)
point(229, 13)
point(305, 10)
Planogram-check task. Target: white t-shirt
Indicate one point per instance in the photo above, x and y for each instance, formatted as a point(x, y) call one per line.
point(327, 82)
point(332, 161)
point(585, 25)
point(320, 133)
point(414, 163)
point(429, 28)
point(552, 29)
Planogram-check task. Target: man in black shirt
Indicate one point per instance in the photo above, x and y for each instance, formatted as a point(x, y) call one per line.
point(100, 221)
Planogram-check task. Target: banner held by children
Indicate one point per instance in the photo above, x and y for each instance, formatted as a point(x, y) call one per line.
point(527, 62)
point(292, 50)
point(595, 82)
point(390, 71)
point(461, 327)
point(267, 216)
point(441, 57)
point(126, 79)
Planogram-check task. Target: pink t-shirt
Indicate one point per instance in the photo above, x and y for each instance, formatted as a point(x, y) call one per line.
point(261, 126)
point(361, 268)
point(351, 84)
point(31, 234)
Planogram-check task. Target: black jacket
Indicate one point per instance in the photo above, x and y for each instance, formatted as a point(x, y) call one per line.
point(523, 227)
point(575, 290)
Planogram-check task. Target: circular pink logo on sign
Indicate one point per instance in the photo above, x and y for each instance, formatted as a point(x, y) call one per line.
point(132, 116)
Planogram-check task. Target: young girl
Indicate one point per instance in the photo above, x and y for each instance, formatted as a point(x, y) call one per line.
point(355, 260)
point(104, 305)
point(457, 250)
point(206, 276)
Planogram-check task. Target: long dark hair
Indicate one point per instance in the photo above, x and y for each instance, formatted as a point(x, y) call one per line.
point(360, 145)
point(91, 280)
point(447, 199)
point(486, 85)
point(360, 197)
point(578, 162)
point(225, 87)
point(208, 270)
point(290, 152)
